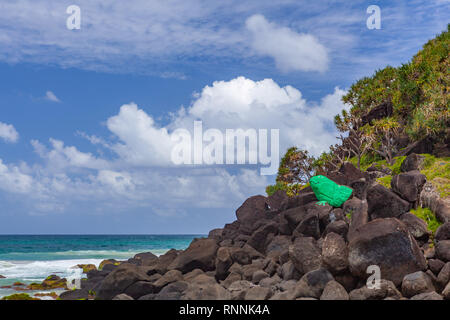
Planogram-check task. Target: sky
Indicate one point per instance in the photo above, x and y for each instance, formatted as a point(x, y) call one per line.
point(87, 115)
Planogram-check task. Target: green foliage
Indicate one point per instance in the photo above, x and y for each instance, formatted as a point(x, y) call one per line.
point(428, 216)
point(418, 90)
point(385, 181)
point(19, 296)
point(437, 171)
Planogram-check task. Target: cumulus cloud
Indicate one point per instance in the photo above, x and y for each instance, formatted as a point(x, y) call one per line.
point(140, 174)
point(50, 96)
point(291, 51)
point(8, 133)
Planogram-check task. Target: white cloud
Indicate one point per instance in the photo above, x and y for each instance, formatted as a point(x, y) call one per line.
point(292, 51)
point(49, 95)
point(8, 133)
point(140, 173)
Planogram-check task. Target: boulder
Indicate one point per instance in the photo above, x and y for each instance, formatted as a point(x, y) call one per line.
point(144, 259)
point(300, 200)
point(258, 275)
point(173, 291)
point(358, 211)
point(77, 294)
point(276, 200)
point(408, 185)
point(385, 290)
point(216, 234)
point(360, 188)
point(108, 261)
point(232, 277)
point(309, 227)
point(223, 262)
point(163, 262)
point(444, 275)
point(278, 245)
point(250, 212)
point(446, 292)
point(200, 254)
point(351, 172)
point(339, 227)
point(334, 291)
point(383, 203)
point(258, 293)
point(289, 272)
point(122, 296)
point(258, 239)
point(244, 255)
point(435, 265)
point(238, 289)
point(416, 283)
point(416, 226)
point(120, 279)
point(412, 162)
point(387, 244)
point(305, 254)
point(443, 232)
point(428, 296)
point(313, 283)
point(294, 216)
point(168, 277)
point(271, 282)
point(204, 287)
point(334, 253)
point(443, 250)
point(140, 288)
point(430, 198)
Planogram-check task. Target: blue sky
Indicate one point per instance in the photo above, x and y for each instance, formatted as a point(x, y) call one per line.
point(85, 114)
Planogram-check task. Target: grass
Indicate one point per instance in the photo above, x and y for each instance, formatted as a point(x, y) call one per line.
point(19, 296)
point(428, 216)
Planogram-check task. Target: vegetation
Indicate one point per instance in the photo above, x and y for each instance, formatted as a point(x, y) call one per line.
point(19, 296)
point(428, 216)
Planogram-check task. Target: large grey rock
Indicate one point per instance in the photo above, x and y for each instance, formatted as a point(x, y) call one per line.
point(239, 288)
point(289, 272)
point(305, 254)
point(443, 250)
point(386, 289)
point(443, 232)
point(416, 226)
point(313, 283)
point(309, 226)
point(387, 244)
point(250, 212)
point(258, 239)
point(430, 198)
point(168, 277)
point(446, 292)
point(258, 293)
point(408, 185)
point(444, 275)
point(334, 253)
point(358, 210)
point(204, 287)
point(334, 291)
point(120, 279)
point(339, 227)
point(416, 283)
point(428, 296)
point(223, 262)
point(200, 254)
point(383, 203)
point(258, 275)
point(122, 296)
point(412, 162)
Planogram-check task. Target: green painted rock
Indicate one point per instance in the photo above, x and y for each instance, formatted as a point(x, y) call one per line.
point(328, 191)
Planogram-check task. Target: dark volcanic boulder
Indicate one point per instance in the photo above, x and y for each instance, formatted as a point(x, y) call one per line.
point(294, 216)
point(443, 250)
point(77, 294)
point(313, 283)
point(412, 162)
point(309, 227)
point(334, 291)
point(200, 254)
point(334, 253)
point(259, 237)
point(203, 287)
point(120, 279)
point(144, 259)
point(443, 232)
point(416, 283)
point(387, 244)
point(416, 226)
point(250, 212)
point(277, 199)
point(386, 289)
point(351, 172)
point(408, 185)
point(305, 254)
point(383, 203)
point(339, 227)
point(223, 263)
point(299, 200)
point(358, 211)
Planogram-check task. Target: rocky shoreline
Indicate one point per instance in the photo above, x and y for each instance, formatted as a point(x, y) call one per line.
point(286, 248)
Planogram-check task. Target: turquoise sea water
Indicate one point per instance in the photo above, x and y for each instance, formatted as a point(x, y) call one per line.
point(31, 258)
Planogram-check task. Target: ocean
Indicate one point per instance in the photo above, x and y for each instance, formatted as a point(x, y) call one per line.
point(32, 258)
